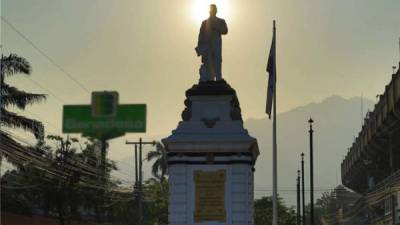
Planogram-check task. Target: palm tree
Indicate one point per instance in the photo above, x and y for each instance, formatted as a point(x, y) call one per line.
point(12, 96)
point(160, 166)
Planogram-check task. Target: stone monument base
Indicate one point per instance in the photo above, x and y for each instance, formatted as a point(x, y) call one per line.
point(210, 160)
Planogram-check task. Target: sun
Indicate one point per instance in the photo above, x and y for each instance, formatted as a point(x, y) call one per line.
point(200, 9)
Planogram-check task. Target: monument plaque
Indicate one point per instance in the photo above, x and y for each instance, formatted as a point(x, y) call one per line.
point(209, 196)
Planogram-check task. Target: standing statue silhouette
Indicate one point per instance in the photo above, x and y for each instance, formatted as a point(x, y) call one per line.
point(209, 46)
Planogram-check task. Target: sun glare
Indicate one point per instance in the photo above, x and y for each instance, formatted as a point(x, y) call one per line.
point(200, 9)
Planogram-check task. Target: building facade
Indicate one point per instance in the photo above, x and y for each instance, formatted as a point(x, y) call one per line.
point(372, 164)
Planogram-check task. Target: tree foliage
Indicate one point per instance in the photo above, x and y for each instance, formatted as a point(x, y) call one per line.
point(159, 168)
point(13, 97)
point(156, 202)
point(63, 177)
point(263, 212)
point(65, 181)
point(326, 208)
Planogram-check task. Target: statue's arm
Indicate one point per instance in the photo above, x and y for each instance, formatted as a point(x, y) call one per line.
point(219, 26)
point(223, 28)
point(201, 33)
point(200, 42)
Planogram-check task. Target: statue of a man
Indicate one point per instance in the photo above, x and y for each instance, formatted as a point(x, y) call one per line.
point(209, 46)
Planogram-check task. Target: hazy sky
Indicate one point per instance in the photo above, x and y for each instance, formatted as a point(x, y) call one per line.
point(145, 51)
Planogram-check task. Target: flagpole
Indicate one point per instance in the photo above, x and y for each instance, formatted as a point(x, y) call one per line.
point(274, 155)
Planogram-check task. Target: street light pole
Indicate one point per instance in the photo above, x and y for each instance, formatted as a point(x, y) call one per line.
point(136, 166)
point(139, 175)
point(311, 131)
point(140, 164)
point(298, 217)
point(302, 190)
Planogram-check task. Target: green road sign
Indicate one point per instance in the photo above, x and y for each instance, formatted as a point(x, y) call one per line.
point(129, 118)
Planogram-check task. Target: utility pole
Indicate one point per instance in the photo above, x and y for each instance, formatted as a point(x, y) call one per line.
point(311, 131)
point(136, 183)
point(302, 190)
point(139, 174)
point(298, 217)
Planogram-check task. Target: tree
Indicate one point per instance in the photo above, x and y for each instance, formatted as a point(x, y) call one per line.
point(13, 97)
point(155, 202)
point(64, 179)
point(327, 201)
point(160, 166)
point(326, 206)
point(96, 190)
point(263, 212)
point(86, 181)
point(64, 154)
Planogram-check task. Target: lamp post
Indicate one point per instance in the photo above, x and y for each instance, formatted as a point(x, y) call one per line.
point(302, 191)
point(311, 131)
point(298, 215)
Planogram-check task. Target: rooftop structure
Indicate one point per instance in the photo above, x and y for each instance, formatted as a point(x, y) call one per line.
point(373, 155)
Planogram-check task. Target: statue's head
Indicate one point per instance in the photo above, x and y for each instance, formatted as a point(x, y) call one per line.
point(213, 10)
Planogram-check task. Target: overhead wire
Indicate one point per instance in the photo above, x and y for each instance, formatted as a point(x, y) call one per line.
point(54, 130)
point(89, 171)
point(83, 165)
point(40, 165)
point(46, 89)
point(44, 54)
point(52, 61)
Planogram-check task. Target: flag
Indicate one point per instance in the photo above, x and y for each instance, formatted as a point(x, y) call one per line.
point(271, 69)
point(271, 109)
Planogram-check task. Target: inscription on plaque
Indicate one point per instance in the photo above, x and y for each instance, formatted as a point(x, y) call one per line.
point(209, 196)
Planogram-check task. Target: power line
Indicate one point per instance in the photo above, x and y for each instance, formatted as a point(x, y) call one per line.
point(54, 130)
point(46, 89)
point(89, 171)
point(59, 174)
point(54, 126)
point(32, 156)
point(27, 142)
point(44, 54)
point(65, 176)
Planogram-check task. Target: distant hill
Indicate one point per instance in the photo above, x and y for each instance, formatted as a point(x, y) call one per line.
point(337, 122)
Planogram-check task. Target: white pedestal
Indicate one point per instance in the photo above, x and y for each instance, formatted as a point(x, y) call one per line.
point(211, 137)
